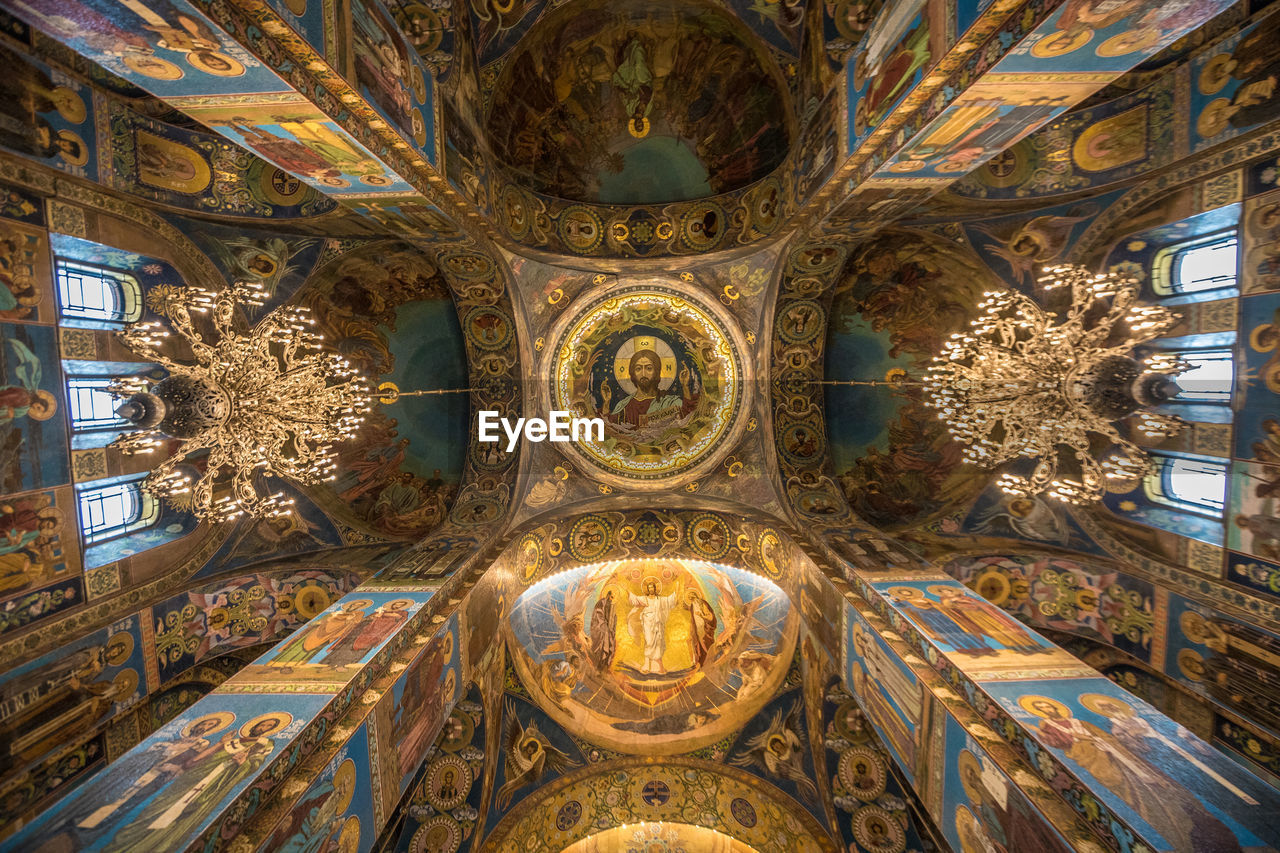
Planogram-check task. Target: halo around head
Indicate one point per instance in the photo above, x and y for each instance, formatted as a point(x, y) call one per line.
point(622, 361)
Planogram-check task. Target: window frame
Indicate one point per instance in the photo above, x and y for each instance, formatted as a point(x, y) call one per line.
point(126, 293)
point(143, 512)
point(1159, 489)
point(1164, 266)
point(1225, 396)
point(90, 384)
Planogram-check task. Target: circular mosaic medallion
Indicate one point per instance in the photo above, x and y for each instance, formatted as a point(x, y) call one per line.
point(801, 321)
point(580, 228)
point(801, 443)
point(765, 203)
point(815, 258)
point(771, 554)
point(709, 536)
point(514, 212)
point(568, 816)
point(703, 226)
point(849, 721)
point(1191, 664)
point(862, 773)
point(875, 829)
point(743, 812)
point(589, 538)
point(661, 370)
point(119, 647)
point(458, 730)
point(467, 264)
point(529, 557)
point(488, 328)
point(448, 782)
point(440, 834)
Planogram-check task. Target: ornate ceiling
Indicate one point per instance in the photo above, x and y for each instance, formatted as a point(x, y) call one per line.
point(738, 622)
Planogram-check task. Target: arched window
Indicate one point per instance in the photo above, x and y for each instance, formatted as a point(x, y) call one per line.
point(92, 406)
point(1196, 266)
point(102, 294)
point(1210, 379)
point(114, 509)
point(1190, 484)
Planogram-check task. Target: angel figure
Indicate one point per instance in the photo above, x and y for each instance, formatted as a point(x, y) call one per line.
point(1030, 518)
point(1040, 241)
point(529, 755)
point(779, 751)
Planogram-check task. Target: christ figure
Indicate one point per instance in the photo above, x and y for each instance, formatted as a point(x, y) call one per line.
point(649, 404)
point(650, 612)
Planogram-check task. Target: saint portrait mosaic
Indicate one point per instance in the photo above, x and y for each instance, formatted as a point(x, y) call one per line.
point(661, 370)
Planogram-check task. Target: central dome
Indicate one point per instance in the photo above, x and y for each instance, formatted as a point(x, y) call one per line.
point(638, 102)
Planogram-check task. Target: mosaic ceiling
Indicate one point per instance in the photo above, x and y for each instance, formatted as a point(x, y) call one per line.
point(639, 102)
point(718, 627)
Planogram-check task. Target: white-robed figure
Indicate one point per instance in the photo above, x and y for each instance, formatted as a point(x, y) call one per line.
point(648, 623)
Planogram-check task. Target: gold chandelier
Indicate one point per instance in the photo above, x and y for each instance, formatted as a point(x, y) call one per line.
point(266, 402)
point(1026, 383)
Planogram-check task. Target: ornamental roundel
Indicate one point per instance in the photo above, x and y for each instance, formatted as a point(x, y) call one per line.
point(862, 773)
point(529, 557)
point(878, 831)
point(468, 264)
point(664, 373)
point(488, 328)
point(743, 812)
point(709, 536)
point(448, 782)
point(580, 228)
point(771, 554)
point(703, 225)
point(440, 834)
point(589, 538)
point(569, 815)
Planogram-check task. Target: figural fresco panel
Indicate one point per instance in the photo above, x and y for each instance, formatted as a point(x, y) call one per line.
point(1229, 92)
point(652, 655)
point(336, 812)
point(982, 808)
point(1138, 762)
point(443, 811)
point(33, 419)
point(48, 116)
point(64, 694)
point(211, 753)
point(874, 809)
point(409, 716)
point(889, 691)
point(1042, 76)
point(25, 272)
point(325, 654)
point(41, 543)
point(878, 81)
